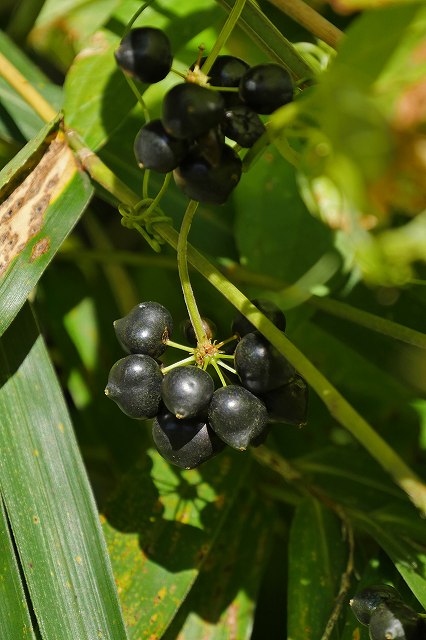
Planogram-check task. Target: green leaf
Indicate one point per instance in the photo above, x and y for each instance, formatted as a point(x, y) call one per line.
point(316, 560)
point(262, 31)
point(48, 499)
point(40, 207)
point(92, 87)
point(16, 110)
point(160, 528)
point(221, 603)
point(15, 621)
point(276, 235)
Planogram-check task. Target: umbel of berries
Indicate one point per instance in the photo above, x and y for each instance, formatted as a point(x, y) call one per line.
point(146, 54)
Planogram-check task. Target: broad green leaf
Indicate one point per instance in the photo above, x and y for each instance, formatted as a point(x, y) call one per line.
point(262, 31)
point(221, 603)
point(39, 209)
point(160, 528)
point(27, 122)
point(276, 235)
point(97, 96)
point(317, 554)
point(15, 621)
point(48, 499)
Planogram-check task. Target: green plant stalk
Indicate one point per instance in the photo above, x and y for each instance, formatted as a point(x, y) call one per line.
point(335, 402)
point(135, 16)
point(182, 261)
point(223, 36)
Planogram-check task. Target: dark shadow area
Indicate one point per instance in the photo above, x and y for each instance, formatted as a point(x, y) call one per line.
point(17, 342)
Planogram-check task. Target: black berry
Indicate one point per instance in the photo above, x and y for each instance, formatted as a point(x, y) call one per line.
point(155, 149)
point(185, 443)
point(237, 416)
point(266, 87)
point(227, 71)
point(260, 366)
point(394, 620)
point(243, 125)
point(134, 383)
point(288, 403)
point(365, 602)
point(145, 329)
point(187, 391)
point(145, 53)
point(242, 326)
point(210, 145)
point(202, 181)
point(190, 110)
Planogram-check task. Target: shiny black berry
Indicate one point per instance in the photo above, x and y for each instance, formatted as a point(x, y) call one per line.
point(227, 71)
point(208, 326)
point(190, 110)
point(288, 403)
point(394, 620)
point(156, 149)
point(260, 366)
point(242, 125)
point(210, 145)
point(200, 180)
point(237, 416)
point(185, 443)
point(266, 87)
point(366, 601)
point(187, 391)
point(145, 53)
point(134, 383)
point(241, 325)
point(145, 329)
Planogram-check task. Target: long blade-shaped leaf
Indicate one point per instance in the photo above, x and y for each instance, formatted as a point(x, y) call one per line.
point(40, 207)
point(48, 498)
point(15, 621)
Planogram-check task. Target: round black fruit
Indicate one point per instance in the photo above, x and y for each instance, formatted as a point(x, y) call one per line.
point(260, 366)
point(242, 326)
point(155, 149)
point(237, 416)
point(187, 391)
point(209, 328)
point(288, 403)
point(394, 620)
point(190, 110)
point(266, 87)
point(145, 53)
point(134, 383)
point(210, 145)
point(366, 601)
point(185, 443)
point(202, 181)
point(242, 125)
point(145, 329)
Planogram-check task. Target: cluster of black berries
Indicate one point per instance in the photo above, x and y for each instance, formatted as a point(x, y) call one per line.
point(189, 139)
point(387, 616)
point(193, 421)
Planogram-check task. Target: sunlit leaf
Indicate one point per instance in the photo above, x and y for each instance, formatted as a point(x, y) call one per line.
point(48, 499)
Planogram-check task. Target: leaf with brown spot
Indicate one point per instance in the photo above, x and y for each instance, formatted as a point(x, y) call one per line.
point(42, 198)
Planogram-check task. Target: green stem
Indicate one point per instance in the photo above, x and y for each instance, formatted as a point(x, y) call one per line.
point(219, 372)
point(138, 95)
point(182, 347)
point(182, 260)
point(223, 36)
point(180, 363)
point(135, 17)
point(159, 195)
point(226, 366)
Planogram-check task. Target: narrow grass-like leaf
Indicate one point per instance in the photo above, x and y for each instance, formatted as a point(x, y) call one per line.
point(25, 118)
point(15, 621)
point(40, 207)
point(48, 498)
point(160, 528)
point(262, 31)
point(316, 560)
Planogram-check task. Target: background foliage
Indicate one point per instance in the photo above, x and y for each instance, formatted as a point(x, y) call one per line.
point(100, 538)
